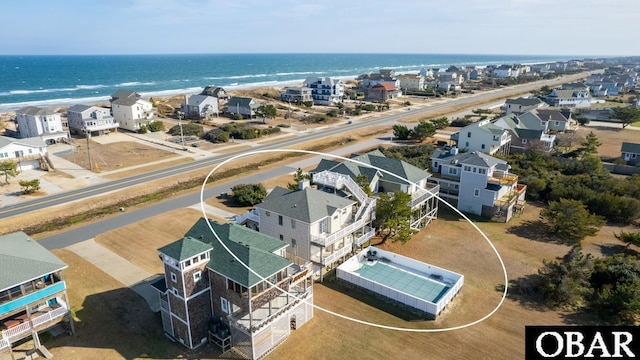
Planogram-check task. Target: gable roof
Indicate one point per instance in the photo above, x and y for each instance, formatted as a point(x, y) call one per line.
point(34, 111)
point(529, 134)
point(550, 115)
point(241, 101)
point(197, 100)
point(35, 142)
point(385, 85)
point(524, 101)
point(628, 147)
point(185, 248)
point(375, 158)
point(78, 108)
point(23, 259)
point(124, 94)
point(214, 91)
point(475, 158)
point(251, 247)
point(308, 205)
point(564, 94)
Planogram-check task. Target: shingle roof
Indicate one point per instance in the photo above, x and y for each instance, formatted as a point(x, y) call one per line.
point(308, 205)
point(32, 141)
point(524, 101)
point(239, 101)
point(197, 99)
point(528, 134)
point(23, 259)
point(377, 159)
point(185, 248)
point(550, 115)
point(251, 247)
point(124, 94)
point(78, 108)
point(475, 158)
point(628, 147)
point(33, 111)
point(125, 101)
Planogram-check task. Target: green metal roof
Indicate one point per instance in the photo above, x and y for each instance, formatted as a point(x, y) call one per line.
point(23, 259)
point(251, 247)
point(185, 248)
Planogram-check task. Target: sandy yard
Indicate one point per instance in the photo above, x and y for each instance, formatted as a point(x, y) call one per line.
point(126, 326)
point(112, 156)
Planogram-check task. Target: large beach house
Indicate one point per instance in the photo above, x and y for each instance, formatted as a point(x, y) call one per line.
point(130, 110)
point(33, 293)
point(235, 289)
point(41, 122)
point(94, 120)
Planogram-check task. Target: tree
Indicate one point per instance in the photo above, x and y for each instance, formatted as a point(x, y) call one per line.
point(570, 220)
point(626, 115)
point(156, 126)
point(440, 123)
point(401, 132)
point(423, 130)
point(267, 111)
point(297, 177)
point(590, 145)
point(248, 194)
point(363, 181)
point(616, 284)
point(8, 169)
point(29, 186)
point(629, 238)
point(393, 215)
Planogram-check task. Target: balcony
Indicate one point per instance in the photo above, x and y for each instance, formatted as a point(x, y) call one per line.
point(328, 259)
point(419, 196)
point(19, 301)
point(101, 127)
point(506, 179)
point(21, 327)
point(361, 240)
point(251, 215)
point(512, 196)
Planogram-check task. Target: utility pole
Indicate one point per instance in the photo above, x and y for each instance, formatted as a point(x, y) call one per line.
point(88, 148)
point(180, 114)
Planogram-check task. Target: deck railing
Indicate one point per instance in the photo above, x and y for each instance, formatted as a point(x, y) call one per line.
point(18, 332)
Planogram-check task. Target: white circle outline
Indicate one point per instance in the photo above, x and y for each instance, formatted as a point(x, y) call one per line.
point(250, 153)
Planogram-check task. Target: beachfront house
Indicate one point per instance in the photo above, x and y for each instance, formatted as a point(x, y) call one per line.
point(33, 293)
point(217, 92)
point(547, 120)
point(631, 152)
point(319, 227)
point(244, 106)
point(411, 82)
point(209, 295)
point(41, 122)
point(198, 107)
point(296, 95)
point(483, 136)
point(403, 176)
point(28, 153)
point(476, 183)
point(522, 105)
point(84, 119)
point(130, 110)
point(325, 90)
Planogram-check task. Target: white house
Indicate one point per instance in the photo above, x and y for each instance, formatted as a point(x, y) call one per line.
point(483, 136)
point(27, 152)
point(523, 137)
point(630, 153)
point(199, 106)
point(320, 227)
point(411, 82)
point(522, 105)
point(40, 122)
point(476, 183)
point(569, 98)
point(85, 119)
point(325, 90)
point(130, 110)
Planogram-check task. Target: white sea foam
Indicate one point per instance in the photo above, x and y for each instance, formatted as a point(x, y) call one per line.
point(136, 83)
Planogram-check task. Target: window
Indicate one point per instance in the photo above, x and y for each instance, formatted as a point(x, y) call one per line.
point(453, 171)
point(469, 134)
point(482, 171)
point(175, 291)
point(467, 168)
point(194, 260)
point(482, 146)
point(323, 226)
point(281, 237)
point(174, 278)
point(293, 223)
point(466, 144)
point(203, 256)
point(279, 219)
point(197, 276)
point(475, 169)
point(224, 305)
point(293, 242)
point(476, 192)
point(187, 263)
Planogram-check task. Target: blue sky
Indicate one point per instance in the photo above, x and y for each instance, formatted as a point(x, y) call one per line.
point(544, 27)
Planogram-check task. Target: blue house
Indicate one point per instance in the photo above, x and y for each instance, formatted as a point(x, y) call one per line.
point(33, 293)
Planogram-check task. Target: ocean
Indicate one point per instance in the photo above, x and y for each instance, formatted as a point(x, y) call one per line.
point(57, 80)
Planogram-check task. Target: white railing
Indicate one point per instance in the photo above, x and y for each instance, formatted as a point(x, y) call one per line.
point(359, 241)
point(249, 215)
point(4, 343)
point(339, 181)
point(330, 239)
point(421, 195)
point(17, 331)
point(336, 255)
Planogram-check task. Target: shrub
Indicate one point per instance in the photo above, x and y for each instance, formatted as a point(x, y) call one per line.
point(307, 103)
point(217, 136)
point(29, 186)
point(187, 130)
point(156, 126)
point(332, 113)
point(238, 116)
point(461, 122)
point(270, 130)
point(143, 129)
point(248, 194)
